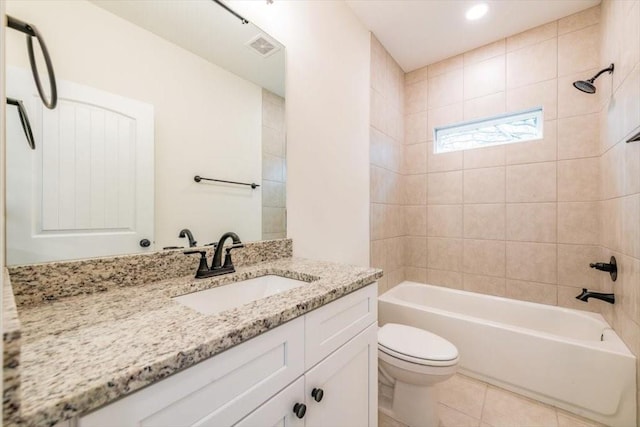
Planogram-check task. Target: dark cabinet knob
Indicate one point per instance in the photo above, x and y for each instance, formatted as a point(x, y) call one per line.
point(317, 394)
point(145, 243)
point(299, 409)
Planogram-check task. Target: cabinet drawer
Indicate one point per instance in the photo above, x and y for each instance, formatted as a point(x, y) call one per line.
point(218, 391)
point(332, 325)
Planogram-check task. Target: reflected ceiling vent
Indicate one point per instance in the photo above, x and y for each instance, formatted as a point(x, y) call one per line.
point(263, 45)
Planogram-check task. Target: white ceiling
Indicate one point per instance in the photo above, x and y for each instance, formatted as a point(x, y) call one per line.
point(206, 29)
point(420, 32)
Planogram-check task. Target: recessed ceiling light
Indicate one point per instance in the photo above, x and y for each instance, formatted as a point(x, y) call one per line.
point(477, 11)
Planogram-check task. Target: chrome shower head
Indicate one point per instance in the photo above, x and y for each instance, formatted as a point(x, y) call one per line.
point(587, 86)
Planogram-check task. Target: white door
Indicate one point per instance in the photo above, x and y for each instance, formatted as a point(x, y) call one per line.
point(87, 189)
point(348, 379)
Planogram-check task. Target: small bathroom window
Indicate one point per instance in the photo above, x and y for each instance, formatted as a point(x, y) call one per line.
point(497, 130)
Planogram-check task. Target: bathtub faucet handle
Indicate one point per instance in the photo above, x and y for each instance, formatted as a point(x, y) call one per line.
point(610, 267)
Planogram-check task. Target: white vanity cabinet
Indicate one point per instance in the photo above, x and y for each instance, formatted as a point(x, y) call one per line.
point(258, 382)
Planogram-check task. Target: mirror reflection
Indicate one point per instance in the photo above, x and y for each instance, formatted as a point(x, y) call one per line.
point(150, 95)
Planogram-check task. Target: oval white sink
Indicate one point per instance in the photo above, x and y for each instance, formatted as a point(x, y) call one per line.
point(233, 295)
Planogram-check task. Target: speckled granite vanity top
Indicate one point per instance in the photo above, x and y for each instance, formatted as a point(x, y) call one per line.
point(83, 351)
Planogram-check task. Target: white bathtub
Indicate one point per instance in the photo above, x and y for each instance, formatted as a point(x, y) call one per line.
point(567, 358)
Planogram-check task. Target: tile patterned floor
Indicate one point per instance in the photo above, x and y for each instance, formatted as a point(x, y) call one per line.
point(466, 402)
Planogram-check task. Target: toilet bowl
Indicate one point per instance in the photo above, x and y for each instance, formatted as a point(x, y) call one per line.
point(412, 361)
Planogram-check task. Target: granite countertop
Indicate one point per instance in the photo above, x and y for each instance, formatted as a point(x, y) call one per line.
point(84, 351)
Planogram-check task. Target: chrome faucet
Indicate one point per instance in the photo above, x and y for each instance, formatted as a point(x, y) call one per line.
point(217, 268)
point(585, 295)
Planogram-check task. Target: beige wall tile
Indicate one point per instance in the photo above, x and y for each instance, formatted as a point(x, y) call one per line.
point(415, 189)
point(415, 158)
point(377, 254)
point(378, 64)
point(442, 162)
point(573, 265)
point(542, 150)
point(484, 284)
point(535, 262)
point(570, 420)
point(631, 226)
point(394, 252)
point(484, 78)
point(531, 183)
point(567, 298)
point(445, 66)
point(273, 142)
point(446, 188)
point(272, 168)
point(484, 157)
point(631, 168)
point(395, 277)
point(443, 116)
point(444, 254)
point(502, 408)
point(414, 274)
point(579, 20)
point(485, 106)
point(463, 394)
point(445, 89)
point(544, 94)
point(415, 220)
point(415, 99)
point(393, 221)
point(377, 221)
point(415, 252)
point(542, 293)
point(384, 151)
point(579, 180)
point(532, 36)
point(416, 75)
point(415, 128)
point(531, 222)
point(444, 221)
point(378, 111)
point(273, 194)
point(578, 50)
point(572, 102)
point(484, 221)
point(485, 257)
point(532, 64)
point(487, 51)
point(485, 185)
point(273, 220)
point(579, 222)
point(578, 136)
point(448, 279)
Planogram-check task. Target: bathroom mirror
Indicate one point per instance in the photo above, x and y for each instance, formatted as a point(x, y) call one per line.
point(151, 94)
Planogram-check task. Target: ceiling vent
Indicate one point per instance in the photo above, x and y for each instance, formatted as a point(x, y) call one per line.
point(263, 45)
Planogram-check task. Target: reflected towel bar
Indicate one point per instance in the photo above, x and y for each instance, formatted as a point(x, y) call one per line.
point(198, 178)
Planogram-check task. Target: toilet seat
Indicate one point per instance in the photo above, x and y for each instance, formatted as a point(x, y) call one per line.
point(416, 346)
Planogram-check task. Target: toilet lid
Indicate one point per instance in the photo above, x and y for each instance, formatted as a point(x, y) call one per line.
point(415, 343)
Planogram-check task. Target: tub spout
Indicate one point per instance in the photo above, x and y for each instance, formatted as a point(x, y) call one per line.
point(585, 295)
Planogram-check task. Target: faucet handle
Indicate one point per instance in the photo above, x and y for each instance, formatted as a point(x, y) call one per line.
point(202, 267)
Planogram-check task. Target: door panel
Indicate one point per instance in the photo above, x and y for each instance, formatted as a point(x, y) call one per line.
point(87, 189)
point(278, 411)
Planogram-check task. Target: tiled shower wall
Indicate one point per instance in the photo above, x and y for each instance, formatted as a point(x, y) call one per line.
point(620, 165)
point(274, 173)
point(520, 220)
point(386, 154)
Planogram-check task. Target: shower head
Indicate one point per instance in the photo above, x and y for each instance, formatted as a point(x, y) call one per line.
point(587, 86)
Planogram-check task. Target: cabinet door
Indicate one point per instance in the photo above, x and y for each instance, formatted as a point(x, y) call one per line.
point(349, 381)
point(278, 411)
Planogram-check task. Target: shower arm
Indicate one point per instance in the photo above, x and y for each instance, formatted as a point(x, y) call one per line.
point(609, 69)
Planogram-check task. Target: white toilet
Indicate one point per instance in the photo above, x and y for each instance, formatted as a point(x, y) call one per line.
point(412, 361)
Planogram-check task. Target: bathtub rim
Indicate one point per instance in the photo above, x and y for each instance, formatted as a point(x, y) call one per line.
point(613, 343)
